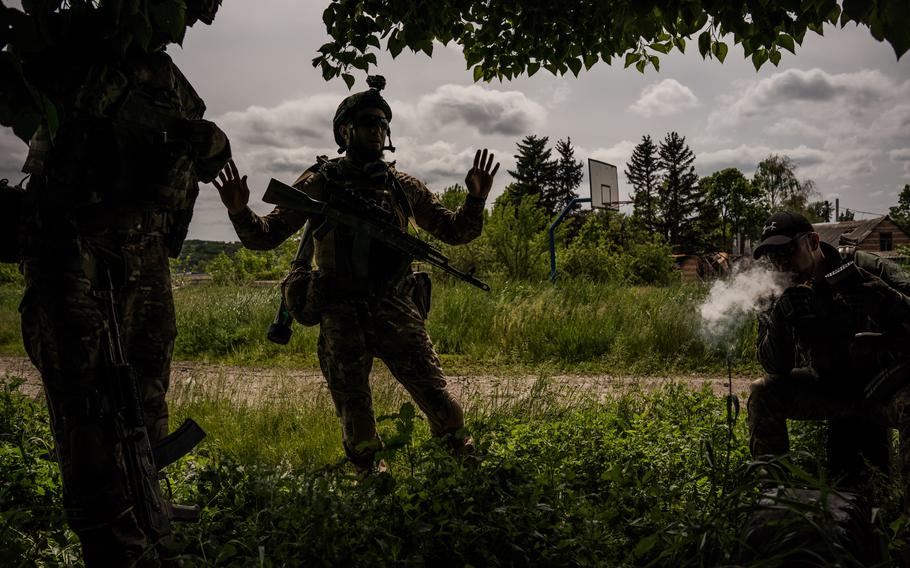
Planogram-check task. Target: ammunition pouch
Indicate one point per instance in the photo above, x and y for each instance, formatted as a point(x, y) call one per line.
point(422, 293)
point(304, 295)
point(11, 199)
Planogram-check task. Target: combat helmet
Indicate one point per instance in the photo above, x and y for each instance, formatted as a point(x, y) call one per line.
point(370, 98)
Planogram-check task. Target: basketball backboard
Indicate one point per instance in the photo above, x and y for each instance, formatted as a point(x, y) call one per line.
point(604, 180)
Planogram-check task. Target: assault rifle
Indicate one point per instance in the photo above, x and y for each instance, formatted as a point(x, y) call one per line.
point(142, 459)
point(369, 218)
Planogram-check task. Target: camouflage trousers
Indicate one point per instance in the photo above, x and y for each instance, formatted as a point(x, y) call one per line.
point(64, 325)
point(352, 333)
point(858, 431)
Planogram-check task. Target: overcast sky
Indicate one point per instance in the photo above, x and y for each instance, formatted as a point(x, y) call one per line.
point(840, 108)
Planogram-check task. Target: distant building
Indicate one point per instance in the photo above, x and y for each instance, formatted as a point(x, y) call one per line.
point(879, 235)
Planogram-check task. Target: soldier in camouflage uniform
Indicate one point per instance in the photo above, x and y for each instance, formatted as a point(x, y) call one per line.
point(109, 200)
point(367, 288)
point(836, 345)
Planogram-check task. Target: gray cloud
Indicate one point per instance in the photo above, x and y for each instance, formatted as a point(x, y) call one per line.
point(489, 111)
point(901, 156)
point(287, 125)
point(665, 98)
point(746, 158)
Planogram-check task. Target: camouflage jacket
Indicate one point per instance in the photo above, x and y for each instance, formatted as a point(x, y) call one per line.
point(335, 248)
point(832, 347)
point(132, 142)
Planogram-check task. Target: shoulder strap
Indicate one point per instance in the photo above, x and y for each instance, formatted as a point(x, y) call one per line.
point(847, 252)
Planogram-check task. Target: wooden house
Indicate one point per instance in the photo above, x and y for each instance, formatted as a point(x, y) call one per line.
point(879, 235)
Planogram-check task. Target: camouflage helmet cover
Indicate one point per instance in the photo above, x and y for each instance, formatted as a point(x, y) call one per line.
point(366, 99)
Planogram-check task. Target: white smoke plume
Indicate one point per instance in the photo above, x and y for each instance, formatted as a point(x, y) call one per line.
point(732, 302)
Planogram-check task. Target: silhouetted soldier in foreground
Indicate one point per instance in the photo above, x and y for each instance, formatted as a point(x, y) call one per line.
point(109, 200)
point(363, 293)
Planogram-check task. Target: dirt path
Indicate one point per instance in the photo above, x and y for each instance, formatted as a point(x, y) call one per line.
point(252, 384)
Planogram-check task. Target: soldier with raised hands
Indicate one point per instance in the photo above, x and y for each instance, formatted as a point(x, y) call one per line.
point(363, 294)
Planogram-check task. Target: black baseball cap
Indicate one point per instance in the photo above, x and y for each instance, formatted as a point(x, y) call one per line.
point(780, 229)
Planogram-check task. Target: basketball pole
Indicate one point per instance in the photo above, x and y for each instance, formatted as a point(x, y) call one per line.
point(575, 200)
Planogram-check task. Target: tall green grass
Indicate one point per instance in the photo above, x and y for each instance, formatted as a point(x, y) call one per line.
point(574, 326)
point(558, 479)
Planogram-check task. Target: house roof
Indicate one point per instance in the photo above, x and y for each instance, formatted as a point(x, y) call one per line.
point(855, 231)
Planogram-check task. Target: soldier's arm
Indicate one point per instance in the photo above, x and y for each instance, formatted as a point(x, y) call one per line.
point(453, 227)
point(268, 231)
point(776, 351)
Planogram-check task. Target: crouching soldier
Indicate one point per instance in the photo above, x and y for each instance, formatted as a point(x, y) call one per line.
point(836, 345)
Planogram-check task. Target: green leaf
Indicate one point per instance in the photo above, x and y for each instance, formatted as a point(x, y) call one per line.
point(574, 65)
point(774, 56)
point(645, 545)
point(680, 44)
point(395, 44)
point(655, 61)
point(348, 80)
point(590, 60)
point(478, 73)
point(787, 43)
point(704, 43)
point(533, 67)
point(660, 47)
point(641, 65)
point(721, 50)
point(759, 58)
point(631, 58)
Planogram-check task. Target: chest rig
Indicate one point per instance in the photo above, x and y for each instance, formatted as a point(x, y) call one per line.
point(371, 191)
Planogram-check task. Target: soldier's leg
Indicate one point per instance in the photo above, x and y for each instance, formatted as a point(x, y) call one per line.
point(62, 327)
point(346, 363)
point(403, 344)
point(149, 327)
point(800, 395)
point(854, 441)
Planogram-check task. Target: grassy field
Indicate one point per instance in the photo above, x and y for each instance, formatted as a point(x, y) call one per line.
point(558, 479)
point(571, 327)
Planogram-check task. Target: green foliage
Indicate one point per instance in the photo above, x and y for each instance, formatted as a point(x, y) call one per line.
point(10, 327)
point(639, 479)
point(196, 254)
point(247, 265)
point(679, 202)
point(502, 40)
point(642, 173)
point(820, 212)
point(775, 177)
point(9, 274)
point(739, 206)
point(32, 529)
point(516, 231)
point(900, 213)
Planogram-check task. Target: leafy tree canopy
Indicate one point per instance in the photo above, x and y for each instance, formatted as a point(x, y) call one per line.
point(506, 38)
point(900, 214)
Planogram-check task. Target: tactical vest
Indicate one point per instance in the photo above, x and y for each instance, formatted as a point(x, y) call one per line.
point(359, 262)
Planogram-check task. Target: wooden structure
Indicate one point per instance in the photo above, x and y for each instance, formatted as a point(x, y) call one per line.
point(879, 235)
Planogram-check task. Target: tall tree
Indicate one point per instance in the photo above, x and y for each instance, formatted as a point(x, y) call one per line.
point(679, 201)
point(776, 178)
point(820, 211)
point(900, 213)
point(846, 215)
point(642, 173)
point(738, 204)
point(535, 170)
point(567, 176)
point(507, 38)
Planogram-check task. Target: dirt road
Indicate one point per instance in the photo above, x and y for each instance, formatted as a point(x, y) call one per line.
point(252, 384)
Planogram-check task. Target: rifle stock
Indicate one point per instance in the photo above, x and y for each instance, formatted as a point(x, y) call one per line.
point(279, 193)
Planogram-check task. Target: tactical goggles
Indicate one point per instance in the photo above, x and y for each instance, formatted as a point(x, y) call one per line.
point(782, 253)
point(370, 121)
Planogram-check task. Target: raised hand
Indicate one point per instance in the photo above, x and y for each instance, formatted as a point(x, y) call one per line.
point(480, 179)
point(233, 189)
